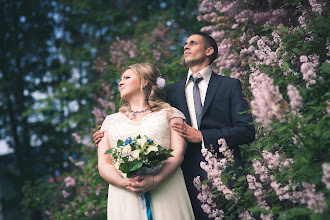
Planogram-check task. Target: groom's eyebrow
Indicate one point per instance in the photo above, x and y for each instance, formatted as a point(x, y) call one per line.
point(192, 41)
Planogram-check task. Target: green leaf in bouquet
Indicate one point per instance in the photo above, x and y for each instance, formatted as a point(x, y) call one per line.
point(135, 165)
point(120, 142)
point(154, 163)
point(152, 155)
point(130, 174)
point(162, 157)
point(125, 159)
point(109, 151)
point(124, 168)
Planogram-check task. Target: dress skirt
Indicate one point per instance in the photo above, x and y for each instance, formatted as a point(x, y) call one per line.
point(169, 201)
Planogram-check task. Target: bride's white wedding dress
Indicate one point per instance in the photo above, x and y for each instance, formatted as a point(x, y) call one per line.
point(169, 200)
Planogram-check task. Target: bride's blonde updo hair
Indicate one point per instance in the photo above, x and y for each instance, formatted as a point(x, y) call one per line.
point(155, 96)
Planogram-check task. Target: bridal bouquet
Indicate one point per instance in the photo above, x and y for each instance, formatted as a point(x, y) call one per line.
point(138, 156)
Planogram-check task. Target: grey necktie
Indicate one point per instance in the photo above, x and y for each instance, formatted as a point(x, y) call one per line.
point(197, 99)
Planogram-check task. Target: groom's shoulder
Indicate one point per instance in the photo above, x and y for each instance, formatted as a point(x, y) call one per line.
point(227, 79)
point(173, 86)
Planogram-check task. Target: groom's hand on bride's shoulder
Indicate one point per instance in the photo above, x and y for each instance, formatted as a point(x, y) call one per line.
point(97, 136)
point(189, 133)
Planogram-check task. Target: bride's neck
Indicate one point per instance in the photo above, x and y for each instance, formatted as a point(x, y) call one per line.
point(138, 104)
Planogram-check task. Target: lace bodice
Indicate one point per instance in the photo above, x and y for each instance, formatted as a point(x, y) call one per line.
point(154, 125)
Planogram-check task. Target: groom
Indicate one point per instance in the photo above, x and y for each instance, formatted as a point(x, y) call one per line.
point(211, 104)
point(212, 107)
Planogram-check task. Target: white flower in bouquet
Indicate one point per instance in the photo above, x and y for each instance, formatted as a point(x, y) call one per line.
point(151, 148)
point(126, 150)
point(142, 142)
point(135, 153)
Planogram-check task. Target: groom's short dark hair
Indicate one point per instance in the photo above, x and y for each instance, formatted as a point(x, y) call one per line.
point(209, 42)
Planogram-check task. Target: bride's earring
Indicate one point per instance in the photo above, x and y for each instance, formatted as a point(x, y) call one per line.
point(146, 90)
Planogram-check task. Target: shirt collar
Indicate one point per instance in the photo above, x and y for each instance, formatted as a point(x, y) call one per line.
point(206, 74)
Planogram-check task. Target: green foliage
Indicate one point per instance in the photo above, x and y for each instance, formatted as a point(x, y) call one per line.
point(82, 90)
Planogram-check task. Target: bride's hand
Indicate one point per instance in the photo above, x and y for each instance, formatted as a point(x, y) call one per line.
point(141, 184)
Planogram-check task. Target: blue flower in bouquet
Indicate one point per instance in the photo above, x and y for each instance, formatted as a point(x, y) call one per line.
point(128, 141)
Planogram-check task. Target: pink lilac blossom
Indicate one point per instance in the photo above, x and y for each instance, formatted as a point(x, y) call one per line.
point(327, 44)
point(206, 6)
point(77, 137)
point(277, 17)
point(315, 201)
point(328, 108)
point(99, 115)
point(212, 17)
point(266, 103)
point(272, 160)
point(316, 7)
point(106, 104)
point(99, 64)
point(157, 55)
point(69, 181)
point(90, 145)
point(48, 213)
point(326, 175)
point(228, 59)
point(308, 67)
point(218, 35)
point(79, 163)
point(210, 28)
point(254, 39)
point(205, 196)
point(65, 194)
point(266, 216)
point(295, 98)
point(229, 7)
point(258, 191)
point(234, 26)
point(244, 16)
point(287, 192)
point(265, 54)
point(245, 215)
point(260, 169)
point(214, 168)
point(120, 51)
point(97, 192)
point(302, 20)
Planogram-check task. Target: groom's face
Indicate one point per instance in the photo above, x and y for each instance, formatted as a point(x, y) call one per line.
point(195, 51)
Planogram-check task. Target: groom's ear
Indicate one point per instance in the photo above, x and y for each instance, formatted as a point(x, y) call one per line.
point(209, 51)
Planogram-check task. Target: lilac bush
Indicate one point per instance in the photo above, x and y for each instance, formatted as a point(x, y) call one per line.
point(280, 52)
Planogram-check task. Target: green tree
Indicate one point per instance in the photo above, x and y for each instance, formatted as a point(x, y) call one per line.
point(82, 32)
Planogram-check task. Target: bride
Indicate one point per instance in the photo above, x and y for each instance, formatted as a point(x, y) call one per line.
point(144, 112)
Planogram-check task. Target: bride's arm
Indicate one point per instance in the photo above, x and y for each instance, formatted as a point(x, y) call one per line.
point(178, 145)
point(106, 170)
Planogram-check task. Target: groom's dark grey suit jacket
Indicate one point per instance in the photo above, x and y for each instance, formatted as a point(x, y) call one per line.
point(221, 119)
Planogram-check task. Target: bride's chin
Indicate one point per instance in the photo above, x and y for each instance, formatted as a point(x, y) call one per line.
point(125, 98)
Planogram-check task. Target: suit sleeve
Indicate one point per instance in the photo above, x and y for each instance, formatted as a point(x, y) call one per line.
point(242, 130)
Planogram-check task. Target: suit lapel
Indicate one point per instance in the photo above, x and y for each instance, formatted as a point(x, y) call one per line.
point(214, 83)
point(182, 100)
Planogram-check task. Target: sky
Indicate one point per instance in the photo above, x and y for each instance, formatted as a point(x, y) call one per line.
point(4, 148)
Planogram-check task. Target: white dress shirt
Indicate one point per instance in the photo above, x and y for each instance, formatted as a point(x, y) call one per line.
point(202, 85)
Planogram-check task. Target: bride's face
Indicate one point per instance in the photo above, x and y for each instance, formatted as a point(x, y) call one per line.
point(129, 84)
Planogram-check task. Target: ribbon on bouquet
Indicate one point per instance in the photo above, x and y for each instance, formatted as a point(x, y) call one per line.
point(145, 204)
